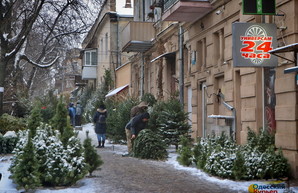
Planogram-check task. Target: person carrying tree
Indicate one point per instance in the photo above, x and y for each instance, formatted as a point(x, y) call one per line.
point(133, 128)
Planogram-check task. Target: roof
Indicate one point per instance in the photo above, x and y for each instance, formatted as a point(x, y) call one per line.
point(116, 90)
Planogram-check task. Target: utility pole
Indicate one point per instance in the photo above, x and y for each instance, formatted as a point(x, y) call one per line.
point(181, 65)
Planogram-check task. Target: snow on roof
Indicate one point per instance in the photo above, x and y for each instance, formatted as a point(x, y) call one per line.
point(117, 90)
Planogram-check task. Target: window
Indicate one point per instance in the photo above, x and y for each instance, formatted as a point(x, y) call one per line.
point(218, 52)
point(90, 58)
point(201, 53)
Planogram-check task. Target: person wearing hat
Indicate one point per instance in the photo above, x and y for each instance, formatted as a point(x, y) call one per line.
point(133, 128)
point(140, 108)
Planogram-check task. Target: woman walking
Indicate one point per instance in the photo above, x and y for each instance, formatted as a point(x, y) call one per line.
point(99, 120)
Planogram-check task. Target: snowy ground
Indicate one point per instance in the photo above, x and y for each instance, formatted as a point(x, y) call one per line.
point(88, 184)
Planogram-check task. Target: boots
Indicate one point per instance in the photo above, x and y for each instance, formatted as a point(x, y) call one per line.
point(99, 144)
point(103, 144)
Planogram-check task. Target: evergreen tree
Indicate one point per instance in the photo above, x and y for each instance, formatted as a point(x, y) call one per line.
point(92, 158)
point(76, 159)
point(61, 123)
point(35, 119)
point(239, 168)
point(185, 156)
point(26, 173)
point(148, 145)
point(172, 122)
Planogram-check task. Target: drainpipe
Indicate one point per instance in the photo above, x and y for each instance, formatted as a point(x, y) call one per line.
point(142, 76)
point(181, 66)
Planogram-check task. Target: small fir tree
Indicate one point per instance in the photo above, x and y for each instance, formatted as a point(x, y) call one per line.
point(173, 123)
point(26, 173)
point(59, 120)
point(92, 158)
point(239, 169)
point(185, 157)
point(148, 145)
point(61, 123)
point(35, 119)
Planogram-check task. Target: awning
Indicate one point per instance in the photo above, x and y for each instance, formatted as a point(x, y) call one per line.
point(288, 48)
point(116, 90)
point(168, 54)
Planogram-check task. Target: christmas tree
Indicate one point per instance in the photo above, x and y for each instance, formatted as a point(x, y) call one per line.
point(26, 173)
point(91, 157)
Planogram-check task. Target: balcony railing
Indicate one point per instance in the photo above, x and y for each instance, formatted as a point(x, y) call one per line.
point(89, 72)
point(185, 10)
point(137, 36)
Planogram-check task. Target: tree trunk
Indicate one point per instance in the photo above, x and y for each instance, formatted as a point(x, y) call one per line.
point(2, 78)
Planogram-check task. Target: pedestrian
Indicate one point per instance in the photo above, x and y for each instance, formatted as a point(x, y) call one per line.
point(78, 116)
point(138, 109)
point(133, 128)
point(72, 114)
point(99, 120)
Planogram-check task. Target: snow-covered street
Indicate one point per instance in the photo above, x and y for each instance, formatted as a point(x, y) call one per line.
point(122, 174)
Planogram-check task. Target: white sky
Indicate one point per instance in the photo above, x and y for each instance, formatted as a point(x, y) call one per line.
point(121, 10)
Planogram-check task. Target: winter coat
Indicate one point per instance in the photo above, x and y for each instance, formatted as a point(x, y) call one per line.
point(137, 124)
point(99, 120)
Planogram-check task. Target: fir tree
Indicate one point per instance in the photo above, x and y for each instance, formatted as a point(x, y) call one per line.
point(61, 123)
point(239, 168)
point(91, 157)
point(35, 119)
point(148, 145)
point(185, 152)
point(26, 173)
point(76, 159)
point(172, 122)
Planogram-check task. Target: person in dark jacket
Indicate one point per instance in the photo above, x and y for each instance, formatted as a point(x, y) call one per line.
point(99, 120)
point(72, 114)
point(133, 128)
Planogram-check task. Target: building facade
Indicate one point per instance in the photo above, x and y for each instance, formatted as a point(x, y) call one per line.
point(190, 53)
point(102, 46)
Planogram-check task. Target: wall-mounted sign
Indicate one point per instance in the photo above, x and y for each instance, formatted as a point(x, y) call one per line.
point(258, 7)
point(1, 89)
point(251, 44)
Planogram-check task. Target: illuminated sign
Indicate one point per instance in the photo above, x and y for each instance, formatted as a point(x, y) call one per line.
point(258, 7)
point(251, 44)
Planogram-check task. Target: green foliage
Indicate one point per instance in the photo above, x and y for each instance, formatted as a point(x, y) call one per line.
point(118, 117)
point(220, 156)
point(7, 144)
point(25, 173)
point(238, 169)
point(59, 165)
point(11, 123)
point(48, 106)
point(149, 99)
point(148, 145)
point(92, 158)
point(35, 118)
point(261, 141)
point(61, 123)
point(172, 122)
point(185, 153)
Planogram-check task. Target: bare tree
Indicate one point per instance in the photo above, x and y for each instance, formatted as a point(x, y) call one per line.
point(34, 34)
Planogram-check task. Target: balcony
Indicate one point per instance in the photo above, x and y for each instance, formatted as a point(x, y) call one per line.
point(89, 72)
point(185, 11)
point(137, 36)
